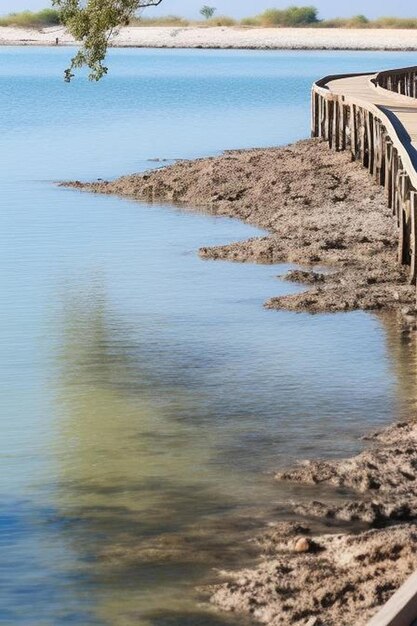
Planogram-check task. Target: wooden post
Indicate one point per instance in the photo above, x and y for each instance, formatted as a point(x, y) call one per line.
point(336, 126)
point(320, 130)
point(383, 157)
point(344, 116)
point(378, 150)
point(353, 132)
point(365, 139)
point(413, 237)
point(370, 141)
point(404, 218)
point(361, 131)
point(323, 106)
point(388, 170)
point(329, 125)
point(394, 181)
point(326, 119)
point(314, 113)
point(402, 239)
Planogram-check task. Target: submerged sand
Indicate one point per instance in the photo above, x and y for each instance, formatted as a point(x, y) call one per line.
point(230, 37)
point(320, 210)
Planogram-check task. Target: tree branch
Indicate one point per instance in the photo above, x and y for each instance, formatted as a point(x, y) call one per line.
point(92, 23)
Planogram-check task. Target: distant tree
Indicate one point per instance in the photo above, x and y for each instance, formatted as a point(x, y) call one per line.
point(207, 11)
point(92, 22)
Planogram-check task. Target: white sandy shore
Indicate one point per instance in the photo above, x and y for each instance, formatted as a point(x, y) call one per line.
point(222, 37)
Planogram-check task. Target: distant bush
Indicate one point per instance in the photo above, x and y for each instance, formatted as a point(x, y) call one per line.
point(301, 16)
point(395, 22)
point(165, 20)
point(357, 21)
point(293, 16)
point(360, 20)
point(175, 20)
point(337, 22)
point(221, 20)
point(28, 19)
point(250, 21)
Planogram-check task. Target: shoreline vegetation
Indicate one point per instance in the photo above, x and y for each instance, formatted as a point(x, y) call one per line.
point(340, 578)
point(291, 17)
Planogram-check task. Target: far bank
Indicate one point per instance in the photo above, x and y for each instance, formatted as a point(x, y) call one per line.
point(228, 37)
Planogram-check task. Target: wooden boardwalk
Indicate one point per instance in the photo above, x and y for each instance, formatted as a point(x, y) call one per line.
point(375, 117)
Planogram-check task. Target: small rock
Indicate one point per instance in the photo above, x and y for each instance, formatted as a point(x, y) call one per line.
point(302, 545)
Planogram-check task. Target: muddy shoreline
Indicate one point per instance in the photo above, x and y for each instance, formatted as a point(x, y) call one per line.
point(337, 579)
point(320, 210)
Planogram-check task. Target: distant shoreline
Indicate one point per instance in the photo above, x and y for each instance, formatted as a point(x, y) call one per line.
point(223, 38)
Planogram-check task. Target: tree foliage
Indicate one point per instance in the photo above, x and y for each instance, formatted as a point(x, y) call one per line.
point(292, 16)
point(92, 23)
point(30, 19)
point(207, 11)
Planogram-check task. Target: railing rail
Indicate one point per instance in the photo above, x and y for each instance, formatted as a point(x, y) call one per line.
point(401, 81)
point(376, 140)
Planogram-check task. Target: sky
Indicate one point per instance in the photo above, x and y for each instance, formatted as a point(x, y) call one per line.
point(242, 8)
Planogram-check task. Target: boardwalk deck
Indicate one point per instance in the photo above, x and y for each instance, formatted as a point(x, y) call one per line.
point(375, 116)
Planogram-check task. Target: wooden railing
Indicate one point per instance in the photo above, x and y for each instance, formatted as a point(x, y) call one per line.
point(402, 81)
point(373, 138)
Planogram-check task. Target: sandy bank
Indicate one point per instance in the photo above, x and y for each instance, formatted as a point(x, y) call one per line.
point(231, 37)
point(319, 208)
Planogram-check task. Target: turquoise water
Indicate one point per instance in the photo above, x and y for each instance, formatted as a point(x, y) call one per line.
point(146, 394)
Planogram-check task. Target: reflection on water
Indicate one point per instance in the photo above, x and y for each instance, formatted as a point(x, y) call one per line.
point(143, 504)
point(146, 394)
point(133, 474)
point(401, 340)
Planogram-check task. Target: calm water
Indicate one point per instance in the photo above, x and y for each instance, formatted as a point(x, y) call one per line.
point(146, 393)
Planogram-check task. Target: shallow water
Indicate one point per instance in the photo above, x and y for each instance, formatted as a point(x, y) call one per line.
point(146, 393)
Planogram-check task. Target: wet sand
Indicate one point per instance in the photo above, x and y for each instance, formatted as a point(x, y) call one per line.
point(321, 211)
point(230, 37)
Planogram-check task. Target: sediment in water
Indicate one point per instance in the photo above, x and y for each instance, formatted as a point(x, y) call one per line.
point(320, 209)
